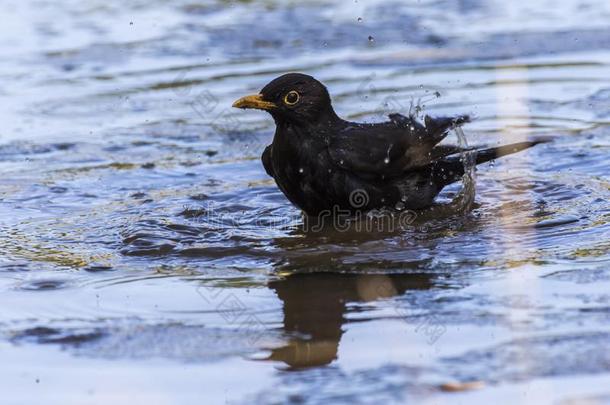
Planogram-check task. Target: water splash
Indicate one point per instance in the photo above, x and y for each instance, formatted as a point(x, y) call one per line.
point(464, 200)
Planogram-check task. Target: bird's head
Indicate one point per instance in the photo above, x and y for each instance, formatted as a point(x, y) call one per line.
point(294, 98)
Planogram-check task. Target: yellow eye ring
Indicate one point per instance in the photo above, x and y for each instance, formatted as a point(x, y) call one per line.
point(292, 98)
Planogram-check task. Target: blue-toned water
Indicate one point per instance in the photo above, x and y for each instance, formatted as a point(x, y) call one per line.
point(146, 256)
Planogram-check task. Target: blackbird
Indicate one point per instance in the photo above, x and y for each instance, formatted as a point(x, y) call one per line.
point(323, 163)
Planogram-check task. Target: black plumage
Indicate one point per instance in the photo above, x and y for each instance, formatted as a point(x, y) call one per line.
point(324, 163)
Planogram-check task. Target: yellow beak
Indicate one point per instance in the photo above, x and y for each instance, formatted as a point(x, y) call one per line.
point(255, 101)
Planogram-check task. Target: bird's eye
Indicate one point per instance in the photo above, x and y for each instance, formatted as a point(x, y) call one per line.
point(292, 98)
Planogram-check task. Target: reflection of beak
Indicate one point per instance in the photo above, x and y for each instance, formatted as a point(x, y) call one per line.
point(255, 101)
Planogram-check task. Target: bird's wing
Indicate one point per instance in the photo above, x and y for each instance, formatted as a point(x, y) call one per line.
point(391, 148)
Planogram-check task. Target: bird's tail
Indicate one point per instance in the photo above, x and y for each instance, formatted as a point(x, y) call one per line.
point(451, 169)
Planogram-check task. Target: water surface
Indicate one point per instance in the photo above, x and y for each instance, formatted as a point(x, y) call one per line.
point(146, 254)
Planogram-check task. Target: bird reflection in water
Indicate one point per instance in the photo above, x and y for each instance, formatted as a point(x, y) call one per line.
point(315, 307)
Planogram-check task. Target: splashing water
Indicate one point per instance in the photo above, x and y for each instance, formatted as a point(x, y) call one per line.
point(464, 200)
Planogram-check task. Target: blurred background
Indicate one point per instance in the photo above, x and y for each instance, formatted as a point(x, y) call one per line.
point(145, 254)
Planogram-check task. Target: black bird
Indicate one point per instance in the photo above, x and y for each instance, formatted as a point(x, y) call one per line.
point(323, 163)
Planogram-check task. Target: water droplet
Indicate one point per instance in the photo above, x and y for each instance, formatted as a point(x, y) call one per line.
point(329, 170)
point(403, 198)
point(386, 160)
point(437, 94)
point(371, 39)
point(301, 170)
point(400, 206)
point(412, 128)
point(359, 19)
point(341, 162)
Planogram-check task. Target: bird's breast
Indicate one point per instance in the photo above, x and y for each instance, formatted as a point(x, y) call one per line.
point(299, 171)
